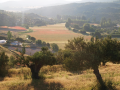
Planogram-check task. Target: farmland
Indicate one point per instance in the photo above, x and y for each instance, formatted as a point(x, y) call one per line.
point(57, 33)
point(15, 28)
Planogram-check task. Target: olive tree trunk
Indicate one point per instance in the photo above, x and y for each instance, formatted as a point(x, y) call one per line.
point(99, 78)
point(103, 63)
point(35, 70)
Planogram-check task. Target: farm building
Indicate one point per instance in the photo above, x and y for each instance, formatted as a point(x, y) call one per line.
point(3, 41)
point(16, 43)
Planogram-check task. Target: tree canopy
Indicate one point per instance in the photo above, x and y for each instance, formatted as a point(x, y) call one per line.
point(54, 47)
point(39, 42)
point(19, 39)
point(86, 26)
point(33, 39)
point(89, 55)
point(9, 34)
point(39, 59)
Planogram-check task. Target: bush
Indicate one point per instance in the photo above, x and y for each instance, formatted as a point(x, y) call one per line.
point(67, 24)
point(28, 31)
point(75, 30)
point(86, 27)
point(54, 47)
point(115, 35)
point(83, 31)
point(76, 26)
point(69, 28)
point(98, 34)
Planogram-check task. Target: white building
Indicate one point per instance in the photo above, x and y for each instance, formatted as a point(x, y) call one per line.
point(3, 41)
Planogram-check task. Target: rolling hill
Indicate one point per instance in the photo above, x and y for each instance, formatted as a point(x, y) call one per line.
point(89, 9)
point(22, 5)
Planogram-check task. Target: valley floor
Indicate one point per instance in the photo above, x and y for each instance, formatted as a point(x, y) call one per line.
point(57, 33)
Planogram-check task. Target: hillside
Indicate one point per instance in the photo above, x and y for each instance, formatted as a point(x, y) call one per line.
point(20, 19)
point(22, 5)
point(89, 9)
point(8, 52)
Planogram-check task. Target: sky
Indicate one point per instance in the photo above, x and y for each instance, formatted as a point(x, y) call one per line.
point(1, 1)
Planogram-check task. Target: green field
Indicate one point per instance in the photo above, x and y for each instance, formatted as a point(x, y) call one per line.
point(57, 33)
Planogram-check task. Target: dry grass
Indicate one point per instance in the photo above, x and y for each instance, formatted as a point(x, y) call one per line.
point(57, 33)
point(57, 78)
point(7, 51)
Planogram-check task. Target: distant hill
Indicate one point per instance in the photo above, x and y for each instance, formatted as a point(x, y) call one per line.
point(90, 10)
point(98, 0)
point(22, 5)
point(20, 19)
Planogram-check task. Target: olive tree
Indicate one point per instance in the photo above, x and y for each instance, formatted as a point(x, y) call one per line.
point(89, 55)
point(38, 60)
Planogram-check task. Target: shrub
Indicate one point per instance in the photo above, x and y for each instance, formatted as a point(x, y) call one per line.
point(83, 31)
point(75, 30)
point(115, 35)
point(54, 47)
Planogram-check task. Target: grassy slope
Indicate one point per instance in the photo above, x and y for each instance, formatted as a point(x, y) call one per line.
point(7, 51)
point(59, 79)
point(55, 34)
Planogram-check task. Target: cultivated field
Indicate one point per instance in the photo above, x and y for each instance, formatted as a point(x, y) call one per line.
point(14, 28)
point(57, 33)
point(57, 78)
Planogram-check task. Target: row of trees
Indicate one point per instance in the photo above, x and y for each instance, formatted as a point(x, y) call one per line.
point(41, 43)
point(107, 23)
point(77, 24)
point(80, 55)
point(9, 37)
point(53, 46)
point(65, 17)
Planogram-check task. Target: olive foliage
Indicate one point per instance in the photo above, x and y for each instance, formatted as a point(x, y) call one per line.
point(39, 59)
point(89, 55)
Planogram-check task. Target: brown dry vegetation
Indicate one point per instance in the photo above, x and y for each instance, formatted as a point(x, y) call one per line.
point(8, 52)
point(57, 33)
point(57, 78)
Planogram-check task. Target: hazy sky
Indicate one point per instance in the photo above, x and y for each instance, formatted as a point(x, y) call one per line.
point(39, 0)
